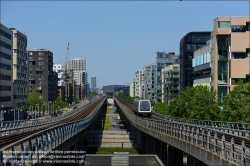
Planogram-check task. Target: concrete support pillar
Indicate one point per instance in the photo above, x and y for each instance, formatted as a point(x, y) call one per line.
point(150, 145)
point(159, 148)
point(174, 156)
point(191, 161)
point(143, 141)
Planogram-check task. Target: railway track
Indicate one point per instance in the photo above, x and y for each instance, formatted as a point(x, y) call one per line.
point(6, 140)
point(228, 137)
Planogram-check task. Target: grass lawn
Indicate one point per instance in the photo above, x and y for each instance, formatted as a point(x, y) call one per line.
point(108, 111)
point(46, 117)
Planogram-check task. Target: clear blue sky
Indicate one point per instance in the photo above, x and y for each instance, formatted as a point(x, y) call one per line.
point(116, 38)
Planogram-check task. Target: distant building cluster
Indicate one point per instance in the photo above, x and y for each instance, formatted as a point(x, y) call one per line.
point(217, 59)
point(24, 71)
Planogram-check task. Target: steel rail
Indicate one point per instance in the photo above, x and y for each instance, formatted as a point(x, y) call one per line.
point(45, 140)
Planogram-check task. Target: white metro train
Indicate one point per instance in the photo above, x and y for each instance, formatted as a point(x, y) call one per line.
point(142, 107)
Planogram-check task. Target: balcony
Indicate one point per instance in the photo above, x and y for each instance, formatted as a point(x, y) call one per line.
point(222, 58)
point(39, 88)
point(31, 59)
point(38, 69)
point(175, 76)
point(31, 78)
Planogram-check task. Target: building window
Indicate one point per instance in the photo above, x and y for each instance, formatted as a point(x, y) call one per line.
point(238, 28)
point(224, 24)
point(5, 45)
point(40, 53)
point(238, 55)
point(30, 53)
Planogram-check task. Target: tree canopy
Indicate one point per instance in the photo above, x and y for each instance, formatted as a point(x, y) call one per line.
point(33, 99)
point(236, 106)
point(199, 103)
point(195, 103)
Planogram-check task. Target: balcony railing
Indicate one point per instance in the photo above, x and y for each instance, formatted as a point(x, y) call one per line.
point(39, 88)
point(31, 59)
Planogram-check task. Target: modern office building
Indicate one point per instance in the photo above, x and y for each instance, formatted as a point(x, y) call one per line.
point(6, 70)
point(93, 82)
point(189, 43)
point(20, 69)
point(202, 64)
point(230, 55)
point(41, 75)
point(88, 88)
point(115, 88)
point(170, 82)
point(162, 60)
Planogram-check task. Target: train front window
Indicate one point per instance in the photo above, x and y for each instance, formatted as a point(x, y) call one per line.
point(144, 106)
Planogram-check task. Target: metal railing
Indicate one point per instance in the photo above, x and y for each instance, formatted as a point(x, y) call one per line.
point(33, 148)
point(11, 127)
point(229, 127)
point(205, 137)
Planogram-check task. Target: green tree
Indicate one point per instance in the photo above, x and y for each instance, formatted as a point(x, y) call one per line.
point(236, 106)
point(161, 108)
point(195, 103)
point(59, 103)
point(33, 99)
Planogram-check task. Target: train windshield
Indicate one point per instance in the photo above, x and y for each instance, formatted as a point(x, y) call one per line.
point(144, 106)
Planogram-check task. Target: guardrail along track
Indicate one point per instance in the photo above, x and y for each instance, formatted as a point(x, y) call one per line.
point(81, 114)
point(236, 128)
point(230, 146)
point(33, 148)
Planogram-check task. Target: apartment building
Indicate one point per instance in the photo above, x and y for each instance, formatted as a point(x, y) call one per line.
point(170, 82)
point(188, 44)
point(162, 60)
point(230, 58)
point(20, 69)
point(140, 83)
point(150, 82)
point(41, 75)
point(6, 70)
point(59, 68)
point(77, 64)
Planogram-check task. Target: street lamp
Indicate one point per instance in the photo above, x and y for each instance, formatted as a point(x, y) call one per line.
point(48, 106)
point(2, 114)
point(14, 114)
point(44, 104)
point(58, 110)
point(38, 109)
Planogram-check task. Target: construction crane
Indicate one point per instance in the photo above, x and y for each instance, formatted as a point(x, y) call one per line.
point(67, 56)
